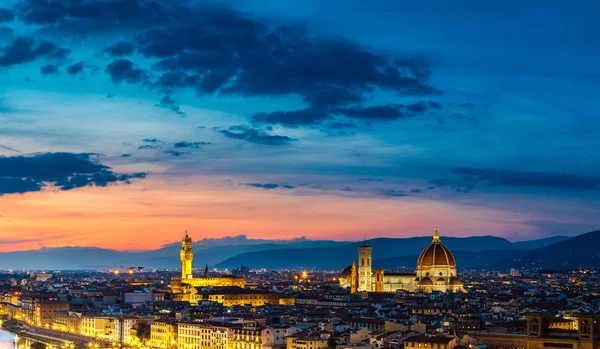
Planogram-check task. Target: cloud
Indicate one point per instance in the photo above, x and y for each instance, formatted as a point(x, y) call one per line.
point(123, 70)
point(291, 118)
point(382, 112)
point(25, 49)
point(6, 15)
point(511, 178)
point(466, 179)
point(255, 136)
point(6, 33)
point(76, 17)
point(340, 125)
point(76, 68)
point(147, 147)
point(49, 69)
point(168, 103)
point(183, 144)
point(270, 186)
point(391, 193)
point(176, 153)
point(219, 50)
point(151, 140)
point(121, 48)
point(21, 174)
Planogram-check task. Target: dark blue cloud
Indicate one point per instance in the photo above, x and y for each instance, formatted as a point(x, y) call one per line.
point(21, 174)
point(184, 144)
point(382, 112)
point(292, 118)
point(255, 136)
point(6, 33)
point(392, 193)
point(466, 179)
point(270, 186)
point(25, 49)
point(176, 153)
point(168, 103)
point(80, 17)
point(49, 69)
point(141, 147)
point(6, 15)
point(76, 68)
point(121, 48)
point(512, 178)
point(340, 125)
point(124, 70)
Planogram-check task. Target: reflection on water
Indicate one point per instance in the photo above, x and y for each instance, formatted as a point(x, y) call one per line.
point(7, 340)
point(10, 341)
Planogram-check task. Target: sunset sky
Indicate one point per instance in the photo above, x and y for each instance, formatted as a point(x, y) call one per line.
point(123, 123)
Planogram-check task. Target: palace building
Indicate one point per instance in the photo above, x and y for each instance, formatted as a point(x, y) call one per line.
point(186, 285)
point(436, 271)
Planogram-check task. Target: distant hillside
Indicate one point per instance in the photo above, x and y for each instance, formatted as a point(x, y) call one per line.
point(472, 252)
point(390, 253)
point(533, 244)
point(208, 252)
point(341, 256)
point(582, 250)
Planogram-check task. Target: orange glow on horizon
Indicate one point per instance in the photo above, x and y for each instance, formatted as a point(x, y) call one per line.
point(116, 217)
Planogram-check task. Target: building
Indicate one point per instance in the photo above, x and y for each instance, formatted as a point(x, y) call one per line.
point(194, 336)
point(45, 309)
point(96, 326)
point(68, 321)
point(305, 341)
point(276, 336)
point(436, 271)
point(431, 342)
point(233, 295)
point(542, 334)
point(187, 282)
point(163, 334)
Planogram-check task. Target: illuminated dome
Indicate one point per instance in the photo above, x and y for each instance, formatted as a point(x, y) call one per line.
point(347, 272)
point(436, 254)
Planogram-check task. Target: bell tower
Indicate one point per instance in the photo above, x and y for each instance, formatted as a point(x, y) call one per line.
point(365, 271)
point(187, 255)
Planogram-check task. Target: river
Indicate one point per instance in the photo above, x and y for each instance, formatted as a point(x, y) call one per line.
point(7, 341)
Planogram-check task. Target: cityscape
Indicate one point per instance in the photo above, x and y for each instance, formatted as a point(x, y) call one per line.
point(438, 305)
point(299, 174)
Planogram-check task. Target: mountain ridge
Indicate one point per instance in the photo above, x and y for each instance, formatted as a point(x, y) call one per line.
point(225, 253)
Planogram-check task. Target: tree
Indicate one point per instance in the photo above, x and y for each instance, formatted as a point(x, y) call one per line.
point(143, 332)
point(331, 342)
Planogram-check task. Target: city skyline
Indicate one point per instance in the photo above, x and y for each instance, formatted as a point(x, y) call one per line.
point(122, 124)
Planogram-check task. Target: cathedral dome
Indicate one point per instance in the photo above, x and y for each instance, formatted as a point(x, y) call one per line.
point(347, 272)
point(436, 254)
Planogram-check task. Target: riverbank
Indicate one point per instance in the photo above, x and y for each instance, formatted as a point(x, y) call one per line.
point(14, 328)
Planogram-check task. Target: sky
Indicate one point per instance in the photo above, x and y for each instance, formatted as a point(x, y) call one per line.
point(124, 123)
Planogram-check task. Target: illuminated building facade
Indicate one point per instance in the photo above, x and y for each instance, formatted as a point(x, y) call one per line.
point(541, 334)
point(436, 271)
point(185, 286)
point(163, 334)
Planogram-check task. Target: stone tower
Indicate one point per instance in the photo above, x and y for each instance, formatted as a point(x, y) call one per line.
point(187, 255)
point(364, 268)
